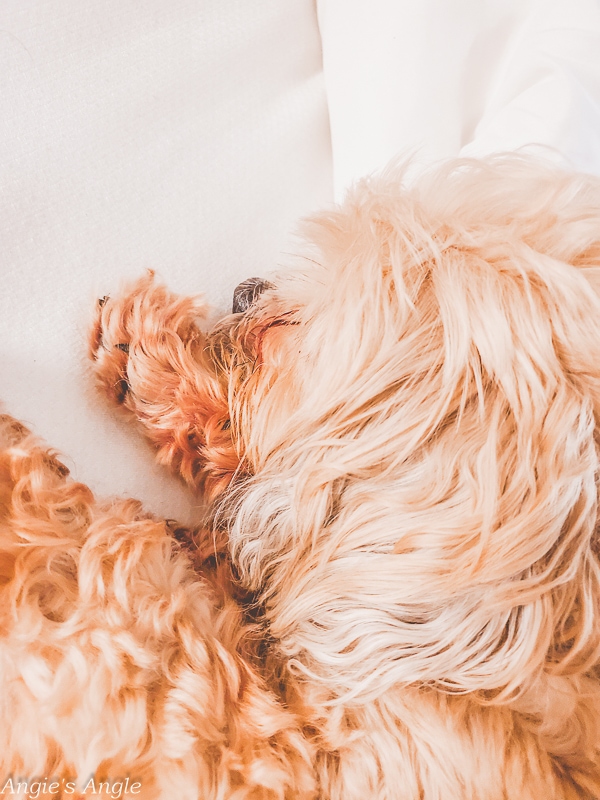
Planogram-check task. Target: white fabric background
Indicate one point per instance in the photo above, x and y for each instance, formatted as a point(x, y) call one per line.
point(187, 136)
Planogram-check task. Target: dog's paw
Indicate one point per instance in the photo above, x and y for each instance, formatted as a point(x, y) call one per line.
point(109, 345)
point(133, 334)
point(151, 358)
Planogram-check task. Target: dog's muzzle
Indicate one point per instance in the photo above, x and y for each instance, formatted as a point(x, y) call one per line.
point(245, 293)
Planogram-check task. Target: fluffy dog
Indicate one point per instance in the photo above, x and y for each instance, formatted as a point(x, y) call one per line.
point(395, 593)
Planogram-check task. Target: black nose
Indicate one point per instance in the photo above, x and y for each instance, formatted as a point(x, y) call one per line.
point(245, 293)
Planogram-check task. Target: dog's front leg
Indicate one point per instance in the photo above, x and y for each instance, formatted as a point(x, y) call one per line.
point(150, 357)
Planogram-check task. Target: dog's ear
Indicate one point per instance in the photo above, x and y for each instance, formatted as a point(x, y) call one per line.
point(432, 475)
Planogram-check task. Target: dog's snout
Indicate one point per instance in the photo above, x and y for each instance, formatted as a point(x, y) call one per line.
point(245, 293)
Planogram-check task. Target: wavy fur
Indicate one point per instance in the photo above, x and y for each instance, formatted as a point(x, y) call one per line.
point(400, 438)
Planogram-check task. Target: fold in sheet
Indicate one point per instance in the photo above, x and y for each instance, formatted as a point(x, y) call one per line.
point(439, 78)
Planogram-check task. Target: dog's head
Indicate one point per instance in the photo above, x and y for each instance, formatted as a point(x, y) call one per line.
point(417, 408)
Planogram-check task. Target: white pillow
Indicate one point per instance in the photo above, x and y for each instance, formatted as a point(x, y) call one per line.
point(439, 78)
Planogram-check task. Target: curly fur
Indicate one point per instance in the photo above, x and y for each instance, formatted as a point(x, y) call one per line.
point(118, 657)
point(400, 441)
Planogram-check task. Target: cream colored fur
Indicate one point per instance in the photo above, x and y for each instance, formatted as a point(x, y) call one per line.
point(396, 592)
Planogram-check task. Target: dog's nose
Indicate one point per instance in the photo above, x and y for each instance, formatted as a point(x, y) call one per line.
point(245, 293)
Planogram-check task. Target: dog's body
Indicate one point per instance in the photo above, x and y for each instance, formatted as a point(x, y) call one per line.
point(400, 443)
